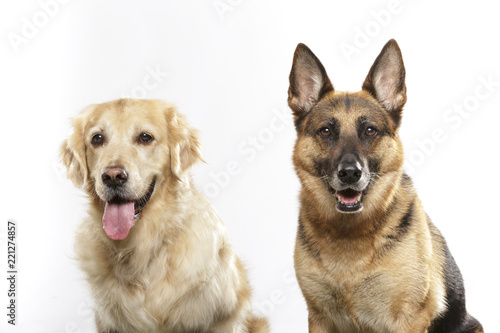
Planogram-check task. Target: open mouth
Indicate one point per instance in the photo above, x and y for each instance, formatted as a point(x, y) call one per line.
point(120, 214)
point(348, 200)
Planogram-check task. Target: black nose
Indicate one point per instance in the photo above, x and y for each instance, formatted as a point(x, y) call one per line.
point(349, 174)
point(114, 176)
point(349, 168)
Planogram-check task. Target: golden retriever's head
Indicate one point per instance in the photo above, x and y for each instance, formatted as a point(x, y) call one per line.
point(122, 150)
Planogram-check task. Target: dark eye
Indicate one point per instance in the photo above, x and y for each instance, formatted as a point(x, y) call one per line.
point(325, 131)
point(97, 140)
point(370, 131)
point(145, 138)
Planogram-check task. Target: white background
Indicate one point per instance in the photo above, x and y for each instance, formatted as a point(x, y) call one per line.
point(227, 69)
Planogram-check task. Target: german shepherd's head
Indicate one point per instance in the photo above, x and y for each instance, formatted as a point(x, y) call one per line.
point(348, 155)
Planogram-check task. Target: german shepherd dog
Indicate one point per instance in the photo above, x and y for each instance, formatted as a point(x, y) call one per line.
point(367, 257)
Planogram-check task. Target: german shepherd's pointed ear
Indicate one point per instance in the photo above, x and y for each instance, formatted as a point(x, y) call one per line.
point(184, 143)
point(308, 81)
point(386, 80)
point(72, 152)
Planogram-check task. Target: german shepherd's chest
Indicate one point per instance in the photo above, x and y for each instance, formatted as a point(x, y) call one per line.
point(355, 285)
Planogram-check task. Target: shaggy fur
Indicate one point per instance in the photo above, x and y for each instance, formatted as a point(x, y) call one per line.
point(175, 271)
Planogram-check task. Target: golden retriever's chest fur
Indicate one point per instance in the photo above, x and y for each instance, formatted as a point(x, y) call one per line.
point(168, 284)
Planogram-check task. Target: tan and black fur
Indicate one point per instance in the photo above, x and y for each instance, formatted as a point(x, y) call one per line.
point(367, 257)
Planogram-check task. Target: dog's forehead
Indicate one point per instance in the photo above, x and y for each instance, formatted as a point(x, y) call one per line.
point(348, 108)
point(127, 113)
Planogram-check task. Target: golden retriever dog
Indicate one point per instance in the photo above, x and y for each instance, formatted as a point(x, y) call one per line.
point(154, 251)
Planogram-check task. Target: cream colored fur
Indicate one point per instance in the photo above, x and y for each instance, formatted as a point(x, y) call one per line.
point(176, 271)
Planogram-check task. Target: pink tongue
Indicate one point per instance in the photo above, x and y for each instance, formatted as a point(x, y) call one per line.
point(118, 218)
point(349, 200)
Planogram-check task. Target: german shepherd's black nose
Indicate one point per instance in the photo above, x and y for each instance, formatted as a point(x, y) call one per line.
point(114, 176)
point(349, 171)
point(349, 175)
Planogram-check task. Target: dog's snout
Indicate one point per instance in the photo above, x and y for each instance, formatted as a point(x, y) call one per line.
point(349, 169)
point(114, 176)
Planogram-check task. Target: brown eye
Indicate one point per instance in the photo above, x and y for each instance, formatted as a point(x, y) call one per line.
point(145, 138)
point(97, 140)
point(325, 131)
point(370, 131)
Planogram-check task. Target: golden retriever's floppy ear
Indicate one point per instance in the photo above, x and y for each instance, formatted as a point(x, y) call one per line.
point(184, 144)
point(73, 154)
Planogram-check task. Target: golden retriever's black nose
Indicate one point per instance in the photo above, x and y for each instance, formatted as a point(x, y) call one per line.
point(114, 176)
